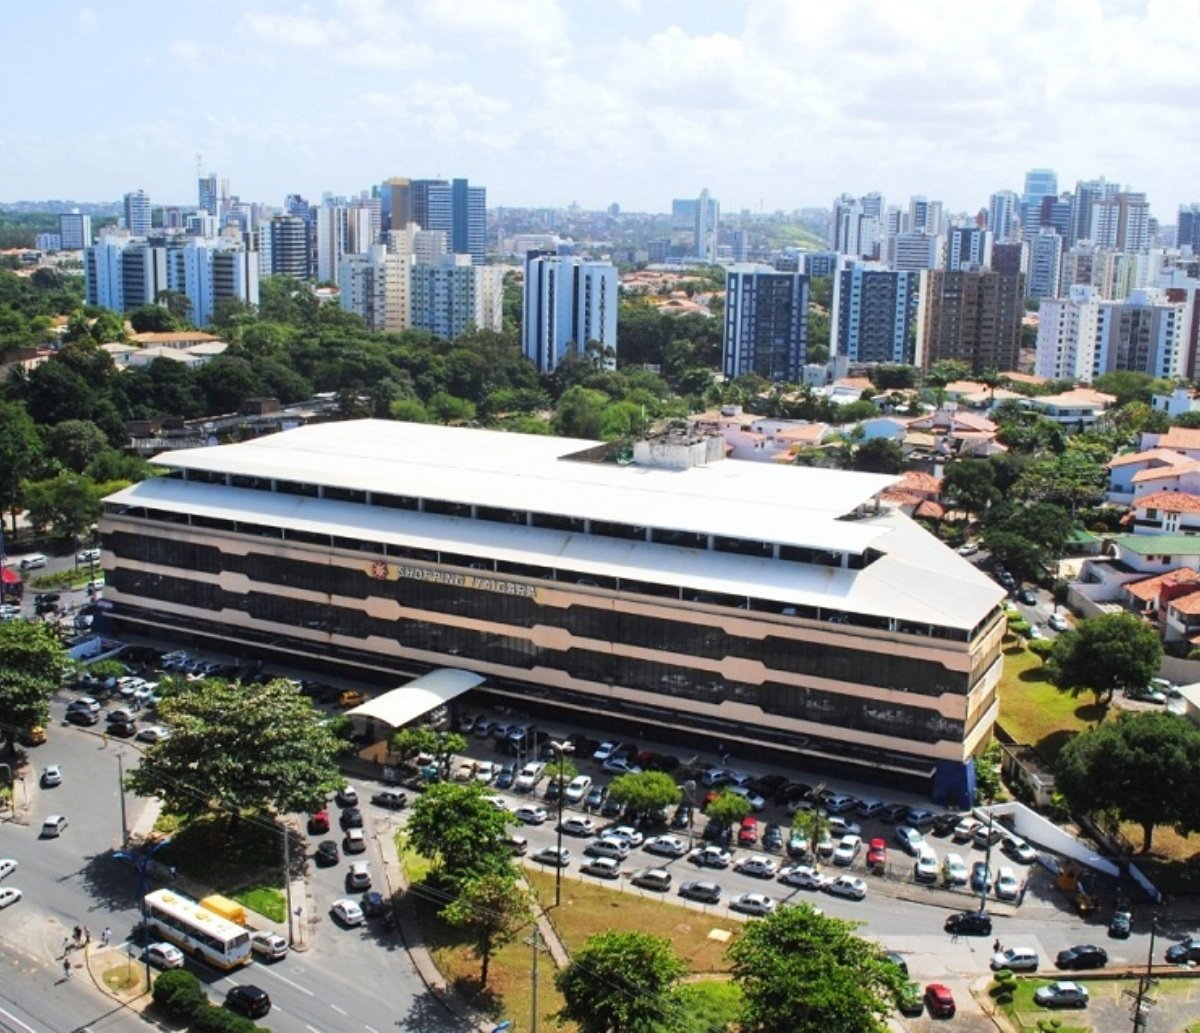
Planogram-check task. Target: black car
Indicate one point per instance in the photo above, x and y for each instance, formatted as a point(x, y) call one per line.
point(250, 1000)
point(1083, 955)
point(892, 813)
point(768, 785)
point(327, 853)
point(390, 799)
point(682, 818)
point(352, 818)
point(706, 892)
point(372, 904)
point(944, 824)
point(790, 792)
point(717, 832)
point(82, 717)
point(122, 729)
point(507, 776)
point(970, 923)
point(611, 808)
point(1182, 953)
point(772, 837)
point(1121, 924)
point(1028, 596)
point(553, 790)
point(595, 798)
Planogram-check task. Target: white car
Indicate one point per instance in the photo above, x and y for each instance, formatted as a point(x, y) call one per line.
point(164, 955)
point(1019, 850)
point(964, 831)
point(577, 789)
point(486, 772)
point(269, 945)
point(531, 814)
point(620, 766)
point(1058, 622)
point(926, 868)
point(910, 839)
point(847, 850)
point(604, 751)
point(602, 867)
point(1007, 886)
point(802, 875)
point(359, 875)
point(498, 802)
point(347, 912)
point(9, 895)
point(757, 865)
point(52, 775)
point(711, 857)
point(153, 733)
point(753, 904)
point(756, 802)
point(667, 846)
point(839, 826)
point(89, 556)
point(627, 833)
point(847, 886)
point(956, 870)
point(969, 549)
point(531, 775)
point(578, 827)
point(7, 867)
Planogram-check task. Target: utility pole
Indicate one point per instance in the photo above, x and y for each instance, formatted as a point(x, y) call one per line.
point(533, 1014)
point(121, 793)
point(1142, 999)
point(287, 880)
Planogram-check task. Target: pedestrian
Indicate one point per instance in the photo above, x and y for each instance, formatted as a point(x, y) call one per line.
point(106, 936)
point(66, 945)
point(78, 934)
point(996, 946)
point(87, 935)
point(66, 968)
point(104, 737)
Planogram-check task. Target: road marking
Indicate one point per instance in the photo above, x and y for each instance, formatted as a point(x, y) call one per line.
point(313, 1029)
point(283, 979)
point(370, 1029)
point(337, 1009)
point(10, 1015)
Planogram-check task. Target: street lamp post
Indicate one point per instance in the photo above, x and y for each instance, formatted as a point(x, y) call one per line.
point(562, 749)
point(689, 787)
point(142, 862)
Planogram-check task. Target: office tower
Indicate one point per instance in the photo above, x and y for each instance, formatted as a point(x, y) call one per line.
point(925, 215)
point(75, 230)
point(852, 231)
point(453, 296)
point(1121, 222)
point(290, 247)
point(708, 219)
point(766, 323)
point(200, 224)
point(971, 317)
point(375, 285)
point(396, 198)
point(872, 205)
point(1012, 257)
point(683, 213)
point(209, 194)
point(210, 271)
point(1003, 215)
point(137, 213)
point(1088, 194)
point(568, 303)
point(1045, 264)
point(457, 209)
point(372, 232)
point(420, 194)
point(969, 246)
point(341, 230)
point(1187, 228)
point(122, 272)
point(1056, 215)
point(1039, 183)
point(916, 249)
point(874, 316)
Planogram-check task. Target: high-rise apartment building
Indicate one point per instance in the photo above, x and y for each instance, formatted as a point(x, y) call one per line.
point(1066, 340)
point(453, 296)
point(1085, 264)
point(855, 227)
point(396, 198)
point(1088, 194)
point(74, 230)
point(924, 215)
point(375, 285)
point(971, 317)
point(1045, 264)
point(875, 314)
point(1012, 257)
point(707, 226)
point(456, 208)
point(212, 270)
point(288, 244)
point(1004, 215)
point(121, 272)
point(137, 213)
point(1121, 222)
point(1187, 228)
point(916, 249)
point(341, 230)
point(968, 247)
point(766, 323)
point(568, 304)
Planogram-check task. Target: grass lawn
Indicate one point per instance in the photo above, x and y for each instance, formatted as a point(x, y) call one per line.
point(711, 1006)
point(1025, 1015)
point(268, 901)
point(1034, 711)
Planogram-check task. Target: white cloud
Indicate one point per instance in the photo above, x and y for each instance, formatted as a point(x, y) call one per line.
point(363, 33)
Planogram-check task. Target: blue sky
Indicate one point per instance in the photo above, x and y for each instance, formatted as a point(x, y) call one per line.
point(770, 104)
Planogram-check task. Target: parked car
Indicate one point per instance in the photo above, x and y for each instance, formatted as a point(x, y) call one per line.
point(578, 789)
point(1146, 694)
point(164, 955)
point(351, 818)
point(666, 846)
point(1182, 953)
point(1018, 959)
point(268, 945)
point(682, 818)
point(1062, 995)
point(576, 826)
point(909, 838)
point(347, 912)
point(955, 870)
point(1058, 622)
point(847, 886)
point(658, 879)
point(939, 1000)
point(1082, 955)
point(748, 832)
point(354, 842)
point(847, 850)
point(877, 854)
point(359, 876)
point(752, 904)
point(1007, 886)
point(964, 831)
point(757, 865)
point(1121, 923)
point(553, 856)
point(602, 867)
point(981, 876)
point(1018, 850)
point(711, 857)
point(926, 867)
point(595, 798)
point(705, 892)
point(969, 923)
point(530, 814)
point(803, 876)
point(507, 776)
point(327, 853)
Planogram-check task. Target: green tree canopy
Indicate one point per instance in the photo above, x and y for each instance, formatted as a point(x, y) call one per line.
point(1106, 653)
point(491, 909)
point(622, 983)
point(457, 827)
point(802, 972)
point(645, 791)
point(728, 808)
point(879, 455)
point(1140, 768)
point(20, 456)
point(970, 484)
point(67, 505)
point(32, 663)
point(240, 748)
point(76, 443)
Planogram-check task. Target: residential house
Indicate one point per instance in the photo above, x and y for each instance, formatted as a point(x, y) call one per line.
point(1178, 439)
point(1148, 597)
point(1181, 400)
point(1078, 409)
point(918, 495)
point(971, 394)
point(1124, 472)
point(1166, 512)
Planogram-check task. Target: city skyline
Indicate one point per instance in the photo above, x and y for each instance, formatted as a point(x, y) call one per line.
point(768, 105)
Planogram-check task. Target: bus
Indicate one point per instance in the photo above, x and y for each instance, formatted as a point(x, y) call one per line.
point(196, 930)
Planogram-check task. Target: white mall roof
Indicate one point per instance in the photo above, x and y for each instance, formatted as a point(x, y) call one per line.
point(400, 706)
point(794, 506)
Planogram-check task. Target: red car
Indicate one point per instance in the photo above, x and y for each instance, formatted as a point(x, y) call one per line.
point(318, 822)
point(877, 854)
point(939, 1000)
point(748, 833)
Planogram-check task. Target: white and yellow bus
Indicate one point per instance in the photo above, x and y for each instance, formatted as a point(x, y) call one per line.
point(196, 930)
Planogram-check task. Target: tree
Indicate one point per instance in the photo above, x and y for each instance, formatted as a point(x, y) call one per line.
point(241, 748)
point(20, 454)
point(879, 455)
point(622, 983)
point(970, 484)
point(646, 792)
point(178, 304)
point(68, 505)
point(76, 443)
point(33, 662)
point(147, 319)
point(1106, 653)
point(492, 909)
point(802, 972)
point(1127, 385)
point(457, 827)
point(1140, 768)
point(728, 808)
point(408, 742)
point(580, 413)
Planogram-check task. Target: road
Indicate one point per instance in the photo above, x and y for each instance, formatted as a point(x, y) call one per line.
point(74, 880)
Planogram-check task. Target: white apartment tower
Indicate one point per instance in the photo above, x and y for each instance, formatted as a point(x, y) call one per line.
point(1045, 264)
point(568, 303)
point(341, 230)
point(375, 285)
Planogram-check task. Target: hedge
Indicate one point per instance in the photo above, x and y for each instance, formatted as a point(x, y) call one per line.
point(180, 994)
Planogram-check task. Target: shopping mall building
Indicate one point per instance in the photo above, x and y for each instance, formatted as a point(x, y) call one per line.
point(664, 591)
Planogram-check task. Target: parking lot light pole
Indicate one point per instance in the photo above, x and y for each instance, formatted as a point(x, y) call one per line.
point(562, 749)
point(689, 787)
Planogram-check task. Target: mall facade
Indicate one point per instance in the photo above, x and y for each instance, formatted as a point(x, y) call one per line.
point(661, 591)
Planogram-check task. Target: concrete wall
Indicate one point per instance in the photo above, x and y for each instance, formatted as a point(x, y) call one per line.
point(1039, 831)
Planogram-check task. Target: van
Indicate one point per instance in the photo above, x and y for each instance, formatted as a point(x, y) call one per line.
point(53, 826)
point(230, 910)
point(32, 561)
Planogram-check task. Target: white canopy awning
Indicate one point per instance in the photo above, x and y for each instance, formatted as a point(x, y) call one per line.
point(421, 695)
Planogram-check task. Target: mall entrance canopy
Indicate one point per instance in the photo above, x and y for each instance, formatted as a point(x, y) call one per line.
point(419, 697)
